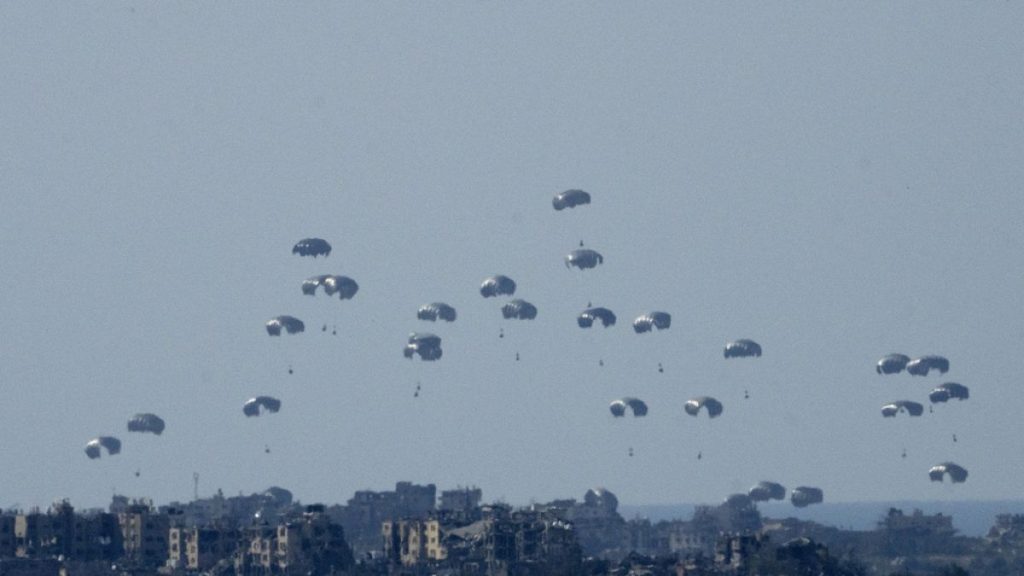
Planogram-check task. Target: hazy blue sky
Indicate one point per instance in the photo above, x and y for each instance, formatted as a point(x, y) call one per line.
point(837, 181)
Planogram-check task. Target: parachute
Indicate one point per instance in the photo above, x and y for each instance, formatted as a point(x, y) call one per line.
point(957, 473)
point(309, 285)
point(427, 345)
point(713, 406)
point(290, 324)
point(278, 496)
point(436, 311)
point(742, 348)
point(948, 391)
point(892, 364)
point(312, 247)
point(601, 497)
point(765, 491)
point(520, 309)
point(738, 501)
point(583, 259)
point(921, 366)
point(570, 199)
point(618, 407)
point(344, 286)
point(497, 286)
point(146, 423)
point(92, 448)
point(587, 317)
point(647, 322)
point(893, 408)
point(803, 496)
point(253, 406)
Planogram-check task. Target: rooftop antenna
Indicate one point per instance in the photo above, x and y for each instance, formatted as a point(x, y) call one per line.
point(195, 485)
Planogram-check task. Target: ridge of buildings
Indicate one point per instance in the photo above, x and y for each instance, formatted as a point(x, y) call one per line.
point(414, 530)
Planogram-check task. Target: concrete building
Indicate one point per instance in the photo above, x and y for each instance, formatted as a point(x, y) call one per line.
point(96, 537)
point(312, 544)
point(236, 511)
point(32, 535)
point(364, 513)
point(199, 549)
point(39, 535)
point(7, 540)
point(400, 541)
point(917, 521)
point(177, 549)
point(436, 549)
point(597, 524)
point(460, 500)
point(60, 533)
point(144, 534)
point(685, 538)
point(734, 553)
point(255, 552)
point(916, 533)
point(412, 542)
point(503, 542)
point(531, 542)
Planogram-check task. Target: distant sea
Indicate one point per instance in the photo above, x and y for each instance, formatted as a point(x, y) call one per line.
point(970, 518)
